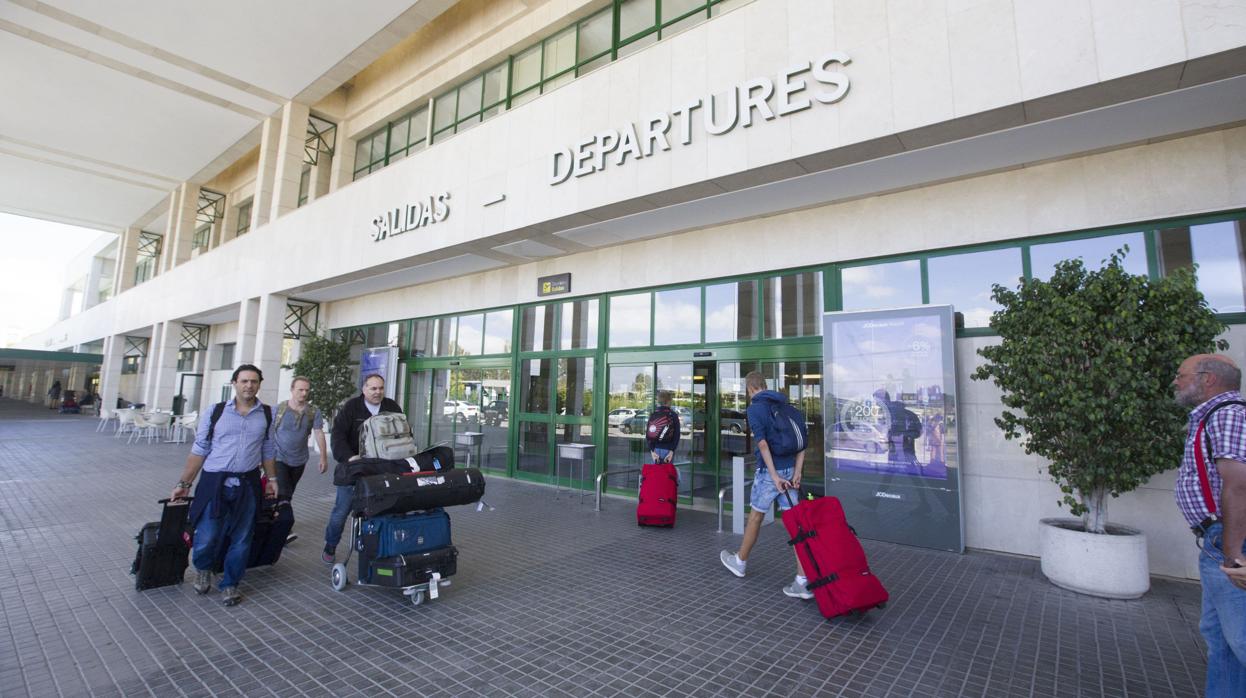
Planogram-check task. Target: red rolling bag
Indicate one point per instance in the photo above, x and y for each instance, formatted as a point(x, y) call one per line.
point(659, 489)
point(832, 557)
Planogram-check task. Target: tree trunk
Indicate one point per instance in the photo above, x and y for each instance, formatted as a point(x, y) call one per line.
point(1095, 520)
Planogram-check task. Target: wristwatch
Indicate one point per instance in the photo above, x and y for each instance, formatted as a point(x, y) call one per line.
point(183, 485)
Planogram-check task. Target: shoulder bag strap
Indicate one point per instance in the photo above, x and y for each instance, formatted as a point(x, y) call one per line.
point(1204, 483)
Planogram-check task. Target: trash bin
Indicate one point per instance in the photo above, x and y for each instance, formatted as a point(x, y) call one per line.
point(178, 403)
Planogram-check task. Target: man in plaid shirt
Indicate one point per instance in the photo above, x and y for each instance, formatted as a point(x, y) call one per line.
point(1204, 383)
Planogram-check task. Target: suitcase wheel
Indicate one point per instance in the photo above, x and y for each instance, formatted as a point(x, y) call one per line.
point(338, 577)
point(881, 606)
point(417, 598)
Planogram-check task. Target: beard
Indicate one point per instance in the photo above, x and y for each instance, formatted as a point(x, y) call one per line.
point(1189, 397)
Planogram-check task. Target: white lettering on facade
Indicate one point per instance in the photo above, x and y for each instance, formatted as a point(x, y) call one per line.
point(404, 219)
point(757, 99)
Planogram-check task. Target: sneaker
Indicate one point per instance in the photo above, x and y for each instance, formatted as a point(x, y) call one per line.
point(732, 562)
point(203, 581)
point(796, 590)
point(230, 596)
point(328, 557)
point(291, 538)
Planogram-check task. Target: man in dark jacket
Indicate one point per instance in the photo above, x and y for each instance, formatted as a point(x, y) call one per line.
point(350, 417)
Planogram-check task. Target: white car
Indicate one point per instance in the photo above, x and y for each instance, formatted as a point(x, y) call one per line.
point(620, 415)
point(461, 408)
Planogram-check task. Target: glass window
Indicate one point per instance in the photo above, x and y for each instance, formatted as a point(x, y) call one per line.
point(575, 387)
point(731, 312)
point(494, 85)
point(964, 281)
point(890, 285)
point(244, 217)
point(793, 305)
point(559, 53)
point(200, 238)
point(596, 35)
point(129, 365)
point(226, 357)
point(534, 452)
point(629, 320)
point(677, 316)
point(425, 333)
point(1092, 251)
point(526, 70)
point(635, 17)
point(1217, 250)
point(534, 380)
point(443, 111)
point(363, 153)
point(536, 328)
point(471, 334)
point(419, 128)
point(400, 136)
point(469, 96)
point(498, 325)
point(673, 9)
point(630, 396)
point(579, 325)
point(447, 329)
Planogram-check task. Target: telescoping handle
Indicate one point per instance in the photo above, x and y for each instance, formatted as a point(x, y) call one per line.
point(175, 502)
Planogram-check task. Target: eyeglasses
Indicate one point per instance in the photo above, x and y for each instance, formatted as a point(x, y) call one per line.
point(1181, 375)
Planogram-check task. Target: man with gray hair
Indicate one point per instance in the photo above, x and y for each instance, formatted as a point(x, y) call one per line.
point(1211, 494)
point(295, 422)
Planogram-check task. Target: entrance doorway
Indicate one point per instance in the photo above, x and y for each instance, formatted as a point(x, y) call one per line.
point(443, 403)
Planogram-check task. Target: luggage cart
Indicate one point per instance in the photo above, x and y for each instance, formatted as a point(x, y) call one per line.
point(430, 588)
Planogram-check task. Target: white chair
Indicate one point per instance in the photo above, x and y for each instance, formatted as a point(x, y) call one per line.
point(187, 422)
point(138, 427)
point(125, 421)
point(158, 425)
point(105, 416)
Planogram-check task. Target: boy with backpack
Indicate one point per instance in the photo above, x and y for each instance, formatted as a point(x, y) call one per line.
point(662, 430)
point(779, 440)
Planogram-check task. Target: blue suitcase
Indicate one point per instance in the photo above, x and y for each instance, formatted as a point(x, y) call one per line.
point(403, 534)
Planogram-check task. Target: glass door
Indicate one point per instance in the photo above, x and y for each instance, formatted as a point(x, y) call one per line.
point(445, 402)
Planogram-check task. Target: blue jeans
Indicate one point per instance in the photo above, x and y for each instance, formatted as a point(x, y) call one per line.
point(764, 491)
point(337, 517)
point(1223, 623)
point(235, 522)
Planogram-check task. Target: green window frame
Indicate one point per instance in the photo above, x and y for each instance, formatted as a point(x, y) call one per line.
point(244, 217)
point(304, 185)
point(149, 246)
point(202, 236)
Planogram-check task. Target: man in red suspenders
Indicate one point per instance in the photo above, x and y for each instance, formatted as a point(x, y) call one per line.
point(1211, 494)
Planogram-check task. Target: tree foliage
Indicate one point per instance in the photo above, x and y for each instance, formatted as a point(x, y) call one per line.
point(1085, 363)
point(326, 363)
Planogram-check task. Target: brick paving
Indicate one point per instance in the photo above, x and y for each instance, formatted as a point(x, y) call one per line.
point(550, 599)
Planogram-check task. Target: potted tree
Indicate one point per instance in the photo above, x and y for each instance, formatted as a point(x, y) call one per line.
point(1084, 363)
point(326, 363)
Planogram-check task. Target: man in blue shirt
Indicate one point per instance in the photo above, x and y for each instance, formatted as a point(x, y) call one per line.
point(230, 454)
point(775, 474)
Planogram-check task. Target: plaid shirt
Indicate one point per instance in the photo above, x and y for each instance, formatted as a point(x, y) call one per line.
point(1226, 431)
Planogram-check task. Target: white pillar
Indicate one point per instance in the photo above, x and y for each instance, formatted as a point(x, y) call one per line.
point(147, 366)
point(289, 169)
point(91, 293)
point(127, 253)
point(166, 244)
point(182, 224)
point(228, 223)
point(270, 333)
point(207, 397)
point(321, 173)
point(270, 134)
point(342, 169)
point(110, 370)
point(248, 319)
point(163, 365)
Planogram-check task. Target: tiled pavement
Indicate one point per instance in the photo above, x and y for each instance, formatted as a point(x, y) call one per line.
point(550, 598)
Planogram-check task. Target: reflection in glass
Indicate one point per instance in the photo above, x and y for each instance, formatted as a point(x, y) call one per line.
point(536, 328)
point(569, 470)
point(559, 52)
point(419, 386)
point(494, 417)
point(688, 401)
point(636, 16)
point(677, 316)
point(442, 421)
point(534, 380)
point(498, 326)
point(424, 334)
point(579, 325)
point(471, 335)
point(629, 320)
point(596, 34)
point(447, 330)
point(731, 312)
point(630, 396)
point(534, 455)
point(1217, 249)
point(575, 387)
point(793, 305)
point(890, 285)
point(1092, 251)
point(964, 281)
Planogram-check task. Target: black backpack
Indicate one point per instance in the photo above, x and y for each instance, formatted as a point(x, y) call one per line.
point(662, 431)
point(219, 409)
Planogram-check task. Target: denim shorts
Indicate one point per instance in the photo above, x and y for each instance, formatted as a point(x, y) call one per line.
point(764, 491)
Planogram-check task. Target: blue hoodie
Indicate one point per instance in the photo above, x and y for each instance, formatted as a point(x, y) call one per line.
point(761, 424)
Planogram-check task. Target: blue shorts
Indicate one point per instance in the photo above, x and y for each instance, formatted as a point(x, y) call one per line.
point(764, 491)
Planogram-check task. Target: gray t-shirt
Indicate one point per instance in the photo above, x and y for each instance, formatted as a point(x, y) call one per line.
point(290, 434)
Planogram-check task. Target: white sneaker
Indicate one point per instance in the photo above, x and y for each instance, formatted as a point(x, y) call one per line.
point(732, 562)
point(796, 590)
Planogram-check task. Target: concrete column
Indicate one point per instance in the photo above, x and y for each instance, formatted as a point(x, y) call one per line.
point(270, 135)
point(182, 223)
point(67, 300)
point(147, 367)
point(39, 385)
point(270, 333)
point(248, 319)
point(110, 370)
point(290, 155)
point(229, 222)
point(164, 365)
point(166, 244)
point(207, 396)
point(127, 253)
point(342, 169)
point(91, 293)
point(321, 173)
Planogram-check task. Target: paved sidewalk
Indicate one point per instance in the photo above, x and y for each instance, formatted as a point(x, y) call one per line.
point(550, 599)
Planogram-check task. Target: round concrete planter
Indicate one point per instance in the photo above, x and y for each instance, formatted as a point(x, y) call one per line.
point(1112, 566)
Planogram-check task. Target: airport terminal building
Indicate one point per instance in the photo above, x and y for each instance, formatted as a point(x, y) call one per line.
point(534, 214)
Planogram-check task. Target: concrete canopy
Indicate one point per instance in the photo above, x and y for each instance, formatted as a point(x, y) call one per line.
point(111, 105)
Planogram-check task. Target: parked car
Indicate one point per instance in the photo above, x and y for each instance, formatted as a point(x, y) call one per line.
point(463, 409)
point(616, 417)
point(732, 421)
point(495, 412)
point(636, 423)
point(859, 436)
point(685, 419)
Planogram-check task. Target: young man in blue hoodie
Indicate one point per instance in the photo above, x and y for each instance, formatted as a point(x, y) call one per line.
point(775, 474)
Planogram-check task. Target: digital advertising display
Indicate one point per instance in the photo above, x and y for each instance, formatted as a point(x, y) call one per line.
point(890, 423)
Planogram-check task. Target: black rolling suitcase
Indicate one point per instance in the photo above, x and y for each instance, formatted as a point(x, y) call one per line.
point(163, 547)
point(385, 494)
point(268, 536)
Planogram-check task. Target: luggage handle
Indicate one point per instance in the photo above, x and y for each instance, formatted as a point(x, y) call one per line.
point(180, 501)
